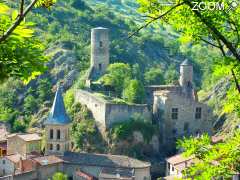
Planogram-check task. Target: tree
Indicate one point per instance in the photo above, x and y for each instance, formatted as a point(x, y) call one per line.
point(59, 176)
point(171, 75)
point(30, 104)
point(44, 90)
point(116, 76)
point(134, 92)
point(217, 28)
point(21, 54)
point(220, 161)
point(154, 76)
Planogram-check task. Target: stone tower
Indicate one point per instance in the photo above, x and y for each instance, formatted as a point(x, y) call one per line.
point(186, 77)
point(99, 49)
point(57, 127)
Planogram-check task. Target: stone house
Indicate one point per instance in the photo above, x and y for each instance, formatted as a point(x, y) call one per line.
point(23, 144)
point(177, 111)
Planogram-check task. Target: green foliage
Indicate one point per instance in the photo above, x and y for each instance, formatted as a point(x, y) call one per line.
point(44, 90)
point(69, 99)
point(116, 76)
point(171, 75)
point(84, 132)
point(21, 55)
point(154, 76)
point(59, 176)
point(19, 126)
point(124, 131)
point(219, 160)
point(134, 92)
point(30, 104)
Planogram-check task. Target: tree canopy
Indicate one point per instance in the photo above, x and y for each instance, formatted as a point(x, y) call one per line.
point(218, 28)
point(21, 54)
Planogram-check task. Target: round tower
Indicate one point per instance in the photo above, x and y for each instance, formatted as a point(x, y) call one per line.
point(57, 127)
point(186, 74)
point(99, 49)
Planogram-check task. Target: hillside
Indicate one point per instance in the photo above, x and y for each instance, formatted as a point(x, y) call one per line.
point(65, 31)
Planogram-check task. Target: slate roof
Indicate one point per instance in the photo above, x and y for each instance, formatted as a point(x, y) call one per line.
point(58, 115)
point(117, 173)
point(186, 62)
point(46, 160)
point(103, 160)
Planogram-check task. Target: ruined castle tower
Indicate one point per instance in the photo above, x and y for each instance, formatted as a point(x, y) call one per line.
point(57, 127)
point(99, 49)
point(186, 78)
point(99, 53)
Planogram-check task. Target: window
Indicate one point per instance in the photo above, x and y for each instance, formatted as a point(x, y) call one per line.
point(100, 44)
point(172, 168)
point(100, 67)
point(51, 147)
point(4, 172)
point(169, 166)
point(198, 113)
point(58, 134)
point(58, 147)
point(51, 133)
point(186, 127)
point(174, 113)
point(3, 161)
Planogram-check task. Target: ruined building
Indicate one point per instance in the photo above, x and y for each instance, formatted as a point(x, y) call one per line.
point(99, 54)
point(177, 110)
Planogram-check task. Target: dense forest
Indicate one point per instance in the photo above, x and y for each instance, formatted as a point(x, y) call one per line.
point(59, 37)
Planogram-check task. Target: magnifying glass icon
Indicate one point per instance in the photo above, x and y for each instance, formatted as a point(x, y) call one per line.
point(232, 6)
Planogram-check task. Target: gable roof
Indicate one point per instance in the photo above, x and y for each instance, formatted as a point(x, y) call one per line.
point(29, 137)
point(103, 160)
point(179, 158)
point(58, 115)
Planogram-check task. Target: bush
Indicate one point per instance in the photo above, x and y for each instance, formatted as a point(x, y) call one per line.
point(123, 131)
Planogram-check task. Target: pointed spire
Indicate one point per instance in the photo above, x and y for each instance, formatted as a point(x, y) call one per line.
point(58, 113)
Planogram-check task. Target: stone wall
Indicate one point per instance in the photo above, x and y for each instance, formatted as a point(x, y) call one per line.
point(186, 124)
point(32, 175)
point(106, 113)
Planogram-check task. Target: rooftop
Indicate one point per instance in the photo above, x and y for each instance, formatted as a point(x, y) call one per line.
point(58, 115)
point(15, 158)
point(30, 137)
point(46, 160)
point(26, 137)
point(104, 160)
point(117, 173)
point(186, 62)
point(179, 158)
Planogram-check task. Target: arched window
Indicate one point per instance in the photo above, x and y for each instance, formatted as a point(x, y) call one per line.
point(58, 134)
point(50, 146)
point(58, 147)
point(51, 133)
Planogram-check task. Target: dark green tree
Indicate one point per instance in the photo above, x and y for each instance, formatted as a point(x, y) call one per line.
point(154, 76)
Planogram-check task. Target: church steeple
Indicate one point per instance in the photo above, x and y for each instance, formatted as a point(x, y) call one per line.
point(58, 113)
point(57, 127)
